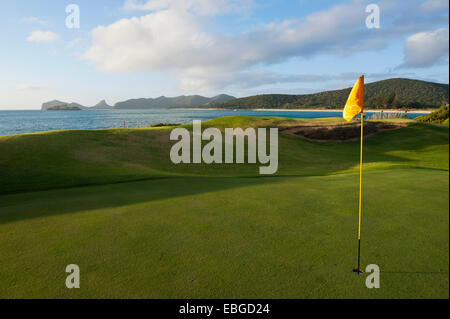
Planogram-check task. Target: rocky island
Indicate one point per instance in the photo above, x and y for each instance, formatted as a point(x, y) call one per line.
point(63, 108)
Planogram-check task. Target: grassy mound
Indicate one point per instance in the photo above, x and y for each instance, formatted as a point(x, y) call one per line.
point(75, 158)
point(217, 231)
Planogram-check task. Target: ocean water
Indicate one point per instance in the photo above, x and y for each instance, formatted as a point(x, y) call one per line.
point(17, 122)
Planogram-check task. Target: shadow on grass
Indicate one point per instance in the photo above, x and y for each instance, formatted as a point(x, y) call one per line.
point(22, 206)
point(416, 272)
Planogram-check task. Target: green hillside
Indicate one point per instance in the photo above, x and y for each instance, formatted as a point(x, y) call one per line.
point(172, 102)
point(139, 226)
point(391, 93)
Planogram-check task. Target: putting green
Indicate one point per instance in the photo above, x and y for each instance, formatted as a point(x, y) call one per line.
point(281, 237)
point(223, 233)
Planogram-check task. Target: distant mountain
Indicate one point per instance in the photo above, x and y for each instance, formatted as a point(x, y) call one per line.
point(172, 102)
point(55, 104)
point(391, 93)
point(221, 98)
point(150, 103)
point(102, 105)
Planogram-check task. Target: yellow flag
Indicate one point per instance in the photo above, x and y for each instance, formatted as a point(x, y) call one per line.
point(355, 101)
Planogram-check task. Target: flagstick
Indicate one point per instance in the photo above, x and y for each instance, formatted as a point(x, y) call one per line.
point(358, 270)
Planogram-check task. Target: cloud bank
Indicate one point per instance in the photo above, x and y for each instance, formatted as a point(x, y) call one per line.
point(425, 49)
point(198, 7)
point(172, 37)
point(42, 36)
point(35, 20)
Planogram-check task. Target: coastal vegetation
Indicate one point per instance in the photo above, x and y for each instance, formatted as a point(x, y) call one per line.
point(437, 117)
point(164, 124)
point(386, 94)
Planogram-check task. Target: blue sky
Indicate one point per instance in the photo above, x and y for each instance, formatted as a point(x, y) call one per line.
point(130, 48)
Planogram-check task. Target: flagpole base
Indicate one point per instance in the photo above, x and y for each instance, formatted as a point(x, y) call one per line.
point(358, 271)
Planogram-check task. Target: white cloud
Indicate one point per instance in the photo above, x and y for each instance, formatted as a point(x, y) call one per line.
point(74, 43)
point(158, 41)
point(425, 49)
point(435, 5)
point(27, 87)
point(42, 36)
point(35, 20)
point(172, 37)
point(200, 7)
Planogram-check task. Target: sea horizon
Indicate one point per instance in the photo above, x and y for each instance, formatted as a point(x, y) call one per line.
point(33, 121)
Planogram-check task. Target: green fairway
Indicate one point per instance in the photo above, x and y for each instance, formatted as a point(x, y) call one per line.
point(73, 158)
point(141, 227)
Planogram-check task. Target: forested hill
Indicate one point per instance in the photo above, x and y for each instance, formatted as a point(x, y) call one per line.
point(391, 93)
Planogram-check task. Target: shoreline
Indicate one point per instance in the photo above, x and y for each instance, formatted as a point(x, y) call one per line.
point(419, 111)
point(414, 111)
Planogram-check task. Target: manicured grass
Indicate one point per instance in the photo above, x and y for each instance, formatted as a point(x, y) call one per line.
point(281, 237)
point(201, 231)
point(73, 158)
